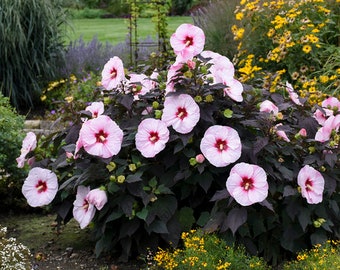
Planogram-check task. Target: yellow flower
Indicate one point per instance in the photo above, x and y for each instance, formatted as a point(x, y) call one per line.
point(271, 32)
point(69, 99)
point(43, 98)
point(306, 48)
point(239, 16)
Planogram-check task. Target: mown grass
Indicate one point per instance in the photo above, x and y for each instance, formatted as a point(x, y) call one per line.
point(115, 30)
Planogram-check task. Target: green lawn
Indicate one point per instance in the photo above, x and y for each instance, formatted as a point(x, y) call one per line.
point(116, 30)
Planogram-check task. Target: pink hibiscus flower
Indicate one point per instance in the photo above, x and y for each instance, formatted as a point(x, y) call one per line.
point(292, 94)
point(113, 73)
point(280, 133)
point(97, 197)
point(331, 103)
point(28, 144)
point(247, 184)
point(40, 187)
point(96, 108)
point(100, 136)
point(220, 65)
point(83, 210)
point(324, 133)
point(151, 137)
point(140, 84)
point(172, 71)
point(311, 183)
point(234, 88)
point(181, 112)
point(187, 42)
point(269, 107)
point(221, 145)
point(222, 71)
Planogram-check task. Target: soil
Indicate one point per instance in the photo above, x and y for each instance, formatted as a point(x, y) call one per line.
point(71, 249)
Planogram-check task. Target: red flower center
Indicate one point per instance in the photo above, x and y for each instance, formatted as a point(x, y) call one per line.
point(221, 145)
point(41, 186)
point(86, 205)
point(247, 183)
point(189, 41)
point(181, 113)
point(309, 185)
point(101, 136)
point(113, 73)
point(153, 138)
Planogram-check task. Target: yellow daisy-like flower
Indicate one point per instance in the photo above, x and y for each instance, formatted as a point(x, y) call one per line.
point(306, 48)
point(239, 16)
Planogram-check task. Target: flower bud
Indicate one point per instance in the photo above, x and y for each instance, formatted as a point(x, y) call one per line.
point(158, 114)
point(200, 158)
point(155, 105)
point(198, 99)
point(209, 98)
point(191, 64)
point(132, 167)
point(228, 113)
point(111, 166)
point(192, 161)
point(106, 100)
point(311, 149)
point(121, 179)
point(188, 74)
point(112, 178)
point(279, 116)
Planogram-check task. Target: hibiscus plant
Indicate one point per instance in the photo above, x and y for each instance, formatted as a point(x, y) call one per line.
point(189, 146)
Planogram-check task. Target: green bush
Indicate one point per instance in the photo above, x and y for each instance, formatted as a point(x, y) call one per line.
point(11, 136)
point(31, 42)
point(13, 255)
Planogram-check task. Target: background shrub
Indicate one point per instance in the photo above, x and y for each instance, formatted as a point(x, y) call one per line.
point(31, 41)
point(216, 19)
point(289, 41)
point(11, 136)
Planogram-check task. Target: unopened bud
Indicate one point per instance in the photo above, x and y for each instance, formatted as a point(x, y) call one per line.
point(132, 167)
point(121, 179)
point(200, 158)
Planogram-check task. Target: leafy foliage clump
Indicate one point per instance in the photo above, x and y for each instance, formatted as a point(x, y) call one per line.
point(31, 43)
point(151, 199)
point(11, 135)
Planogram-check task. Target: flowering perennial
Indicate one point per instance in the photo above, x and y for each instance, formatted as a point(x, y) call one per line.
point(190, 145)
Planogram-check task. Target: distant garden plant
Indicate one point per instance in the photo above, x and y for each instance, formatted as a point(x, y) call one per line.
point(31, 43)
point(164, 151)
point(11, 136)
point(13, 255)
point(294, 40)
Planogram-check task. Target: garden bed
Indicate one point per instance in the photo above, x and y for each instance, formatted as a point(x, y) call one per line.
point(71, 249)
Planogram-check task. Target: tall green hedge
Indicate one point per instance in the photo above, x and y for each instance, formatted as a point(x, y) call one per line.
point(30, 43)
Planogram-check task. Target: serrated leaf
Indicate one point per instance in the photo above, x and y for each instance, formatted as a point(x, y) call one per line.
point(220, 195)
point(112, 187)
point(203, 219)
point(186, 218)
point(143, 214)
point(113, 216)
point(158, 226)
point(304, 218)
point(132, 178)
point(235, 218)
